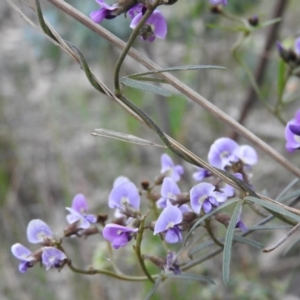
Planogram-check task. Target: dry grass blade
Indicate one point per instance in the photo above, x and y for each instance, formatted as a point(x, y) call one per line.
point(129, 138)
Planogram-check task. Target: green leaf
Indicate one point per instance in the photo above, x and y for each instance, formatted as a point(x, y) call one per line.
point(234, 29)
point(269, 22)
point(294, 194)
point(277, 210)
point(286, 189)
point(243, 240)
point(228, 241)
point(125, 137)
point(227, 203)
point(281, 78)
point(145, 87)
point(269, 227)
point(188, 276)
point(154, 288)
point(178, 68)
point(202, 246)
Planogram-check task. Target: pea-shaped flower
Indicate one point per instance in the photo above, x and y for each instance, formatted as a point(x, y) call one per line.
point(168, 224)
point(292, 133)
point(79, 213)
point(169, 169)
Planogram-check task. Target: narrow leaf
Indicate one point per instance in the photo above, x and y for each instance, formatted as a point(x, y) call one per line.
point(278, 210)
point(145, 87)
point(227, 203)
point(228, 241)
point(269, 22)
point(154, 288)
point(202, 246)
point(188, 276)
point(269, 227)
point(124, 137)
point(281, 77)
point(178, 68)
point(249, 242)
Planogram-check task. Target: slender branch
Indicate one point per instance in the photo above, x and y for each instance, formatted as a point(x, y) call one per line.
point(211, 233)
point(130, 41)
point(188, 92)
point(137, 249)
point(278, 12)
point(283, 239)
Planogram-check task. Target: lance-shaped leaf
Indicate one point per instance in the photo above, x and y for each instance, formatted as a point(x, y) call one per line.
point(178, 68)
point(228, 241)
point(154, 288)
point(145, 87)
point(129, 138)
point(277, 210)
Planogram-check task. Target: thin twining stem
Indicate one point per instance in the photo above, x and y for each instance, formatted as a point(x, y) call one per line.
point(130, 41)
point(188, 92)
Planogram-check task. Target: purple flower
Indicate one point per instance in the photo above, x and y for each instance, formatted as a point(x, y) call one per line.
point(79, 213)
point(222, 153)
point(106, 12)
point(169, 190)
point(118, 235)
point(53, 258)
point(139, 8)
point(241, 226)
point(155, 26)
point(247, 155)
point(297, 46)
point(172, 263)
point(169, 169)
point(38, 232)
point(119, 180)
point(292, 133)
point(124, 194)
point(225, 151)
point(203, 196)
point(216, 2)
point(24, 255)
point(201, 174)
point(167, 223)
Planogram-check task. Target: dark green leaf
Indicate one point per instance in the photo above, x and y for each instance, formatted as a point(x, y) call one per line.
point(228, 241)
point(145, 87)
point(188, 276)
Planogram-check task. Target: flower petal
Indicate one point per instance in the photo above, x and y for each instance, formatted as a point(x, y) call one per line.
point(170, 215)
point(38, 231)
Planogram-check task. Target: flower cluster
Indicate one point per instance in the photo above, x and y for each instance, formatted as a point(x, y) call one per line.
point(38, 232)
point(155, 26)
point(179, 210)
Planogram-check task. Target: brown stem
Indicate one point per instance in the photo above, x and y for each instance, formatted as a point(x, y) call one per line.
point(262, 65)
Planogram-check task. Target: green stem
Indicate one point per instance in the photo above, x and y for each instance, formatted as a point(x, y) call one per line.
point(130, 41)
point(137, 249)
point(211, 233)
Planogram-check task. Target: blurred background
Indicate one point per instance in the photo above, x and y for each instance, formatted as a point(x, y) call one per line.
point(47, 154)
